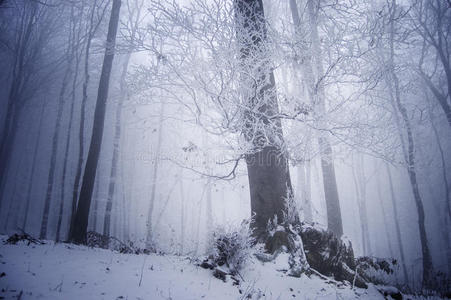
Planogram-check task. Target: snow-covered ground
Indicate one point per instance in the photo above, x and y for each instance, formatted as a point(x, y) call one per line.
point(63, 271)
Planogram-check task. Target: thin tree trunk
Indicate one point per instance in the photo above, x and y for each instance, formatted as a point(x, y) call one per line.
point(209, 210)
point(317, 95)
point(409, 156)
point(12, 211)
point(165, 205)
point(55, 140)
point(126, 196)
point(81, 132)
point(96, 206)
point(197, 213)
point(149, 237)
point(81, 217)
point(115, 159)
point(304, 190)
point(13, 110)
point(69, 135)
point(75, 56)
point(182, 214)
point(361, 195)
point(384, 215)
point(397, 227)
point(7, 156)
point(33, 167)
point(445, 229)
point(13, 199)
point(334, 222)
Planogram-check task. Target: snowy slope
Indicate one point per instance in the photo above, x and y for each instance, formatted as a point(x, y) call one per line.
point(60, 271)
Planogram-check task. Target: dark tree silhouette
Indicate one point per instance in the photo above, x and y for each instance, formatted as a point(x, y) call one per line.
point(80, 224)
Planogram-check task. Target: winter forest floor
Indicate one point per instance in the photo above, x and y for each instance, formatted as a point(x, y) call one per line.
point(66, 271)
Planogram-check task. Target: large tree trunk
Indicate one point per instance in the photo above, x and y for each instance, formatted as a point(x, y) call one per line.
point(267, 165)
point(78, 234)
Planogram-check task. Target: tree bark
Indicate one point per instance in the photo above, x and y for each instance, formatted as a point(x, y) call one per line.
point(78, 235)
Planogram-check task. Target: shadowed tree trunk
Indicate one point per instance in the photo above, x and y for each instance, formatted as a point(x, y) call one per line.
point(92, 28)
point(96, 200)
point(78, 233)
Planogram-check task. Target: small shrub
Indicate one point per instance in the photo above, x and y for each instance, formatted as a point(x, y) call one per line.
point(231, 247)
point(377, 270)
point(23, 237)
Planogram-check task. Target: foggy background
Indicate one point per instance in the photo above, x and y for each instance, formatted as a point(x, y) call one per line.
point(167, 148)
